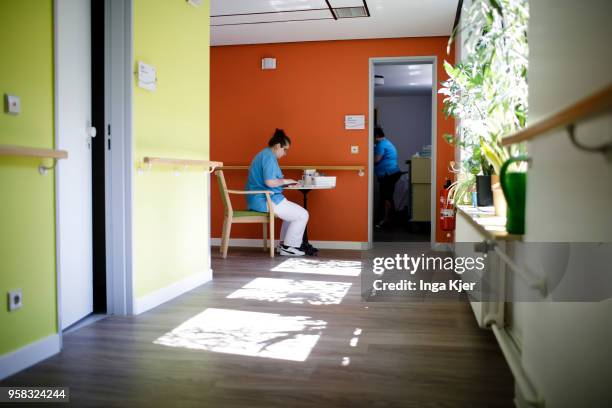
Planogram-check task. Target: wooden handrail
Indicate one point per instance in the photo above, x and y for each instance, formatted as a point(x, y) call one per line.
point(183, 162)
point(593, 105)
point(349, 168)
point(23, 151)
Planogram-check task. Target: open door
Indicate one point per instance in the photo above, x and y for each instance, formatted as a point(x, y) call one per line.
point(73, 179)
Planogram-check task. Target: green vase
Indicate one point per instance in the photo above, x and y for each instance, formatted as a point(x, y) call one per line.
point(514, 186)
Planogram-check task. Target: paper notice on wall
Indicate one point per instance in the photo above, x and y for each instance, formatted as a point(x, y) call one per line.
point(352, 122)
point(147, 76)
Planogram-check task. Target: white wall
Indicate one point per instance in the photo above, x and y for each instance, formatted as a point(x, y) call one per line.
point(567, 347)
point(406, 121)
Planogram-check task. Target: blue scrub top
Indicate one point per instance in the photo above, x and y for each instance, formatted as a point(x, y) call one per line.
point(263, 167)
point(388, 164)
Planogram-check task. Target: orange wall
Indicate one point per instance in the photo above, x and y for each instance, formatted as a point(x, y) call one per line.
point(314, 86)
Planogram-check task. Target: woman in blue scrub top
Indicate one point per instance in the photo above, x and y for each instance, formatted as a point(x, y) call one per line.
point(387, 171)
point(265, 174)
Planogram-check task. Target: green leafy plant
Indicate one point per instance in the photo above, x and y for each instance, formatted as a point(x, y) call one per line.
point(487, 90)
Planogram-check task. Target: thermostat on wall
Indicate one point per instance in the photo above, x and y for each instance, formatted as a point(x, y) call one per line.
point(268, 63)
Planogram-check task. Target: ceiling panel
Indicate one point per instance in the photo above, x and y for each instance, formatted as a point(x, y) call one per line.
point(389, 19)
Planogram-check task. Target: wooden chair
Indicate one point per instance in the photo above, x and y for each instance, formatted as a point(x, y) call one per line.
point(244, 216)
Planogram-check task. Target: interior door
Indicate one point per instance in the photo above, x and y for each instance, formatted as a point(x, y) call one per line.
point(73, 183)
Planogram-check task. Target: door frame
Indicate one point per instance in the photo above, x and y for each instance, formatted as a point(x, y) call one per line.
point(58, 264)
point(118, 161)
point(118, 155)
point(433, 60)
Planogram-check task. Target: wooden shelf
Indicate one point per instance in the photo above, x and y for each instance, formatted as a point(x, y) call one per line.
point(183, 162)
point(22, 151)
point(487, 223)
point(342, 168)
point(586, 108)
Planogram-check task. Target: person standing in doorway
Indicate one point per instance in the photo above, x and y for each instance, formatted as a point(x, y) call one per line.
point(387, 171)
point(265, 174)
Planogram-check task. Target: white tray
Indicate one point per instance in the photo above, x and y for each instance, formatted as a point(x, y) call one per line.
point(324, 181)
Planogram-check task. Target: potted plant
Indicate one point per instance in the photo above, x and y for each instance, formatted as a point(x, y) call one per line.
point(487, 91)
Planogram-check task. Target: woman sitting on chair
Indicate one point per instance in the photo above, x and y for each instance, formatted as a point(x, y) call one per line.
point(265, 174)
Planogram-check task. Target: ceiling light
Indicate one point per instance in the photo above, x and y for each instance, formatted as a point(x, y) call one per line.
point(379, 80)
point(412, 73)
point(413, 67)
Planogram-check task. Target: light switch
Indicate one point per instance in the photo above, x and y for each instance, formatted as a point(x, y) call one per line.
point(12, 104)
point(354, 149)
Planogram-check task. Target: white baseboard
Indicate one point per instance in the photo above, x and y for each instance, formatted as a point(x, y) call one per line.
point(257, 243)
point(154, 299)
point(29, 355)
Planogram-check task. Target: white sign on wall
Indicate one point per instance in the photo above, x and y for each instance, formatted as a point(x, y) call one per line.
point(352, 122)
point(147, 76)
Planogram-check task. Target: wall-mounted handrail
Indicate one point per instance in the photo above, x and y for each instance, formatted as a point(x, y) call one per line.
point(23, 151)
point(592, 106)
point(209, 165)
point(360, 169)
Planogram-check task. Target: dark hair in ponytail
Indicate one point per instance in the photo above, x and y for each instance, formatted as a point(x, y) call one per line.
point(279, 137)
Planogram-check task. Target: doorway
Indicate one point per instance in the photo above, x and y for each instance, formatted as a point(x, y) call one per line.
point(402, 106)
point(92, 86)
point(98, 156)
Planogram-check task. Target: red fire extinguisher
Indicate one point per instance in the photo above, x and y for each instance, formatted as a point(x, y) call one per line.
point(447, 209)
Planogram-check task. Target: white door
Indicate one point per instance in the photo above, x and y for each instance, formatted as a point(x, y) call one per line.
point(73, 182)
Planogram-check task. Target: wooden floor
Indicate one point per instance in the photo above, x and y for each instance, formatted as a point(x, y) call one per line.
point(368, 354)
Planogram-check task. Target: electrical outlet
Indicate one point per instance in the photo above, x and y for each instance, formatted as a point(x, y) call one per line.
point(15, 300)
point(354, 149)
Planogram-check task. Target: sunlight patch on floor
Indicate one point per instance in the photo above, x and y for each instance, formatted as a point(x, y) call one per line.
point(293, 291)
point(320, 267)
point(247, 333)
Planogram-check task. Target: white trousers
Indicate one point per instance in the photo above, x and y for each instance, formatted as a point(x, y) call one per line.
point(294, 219)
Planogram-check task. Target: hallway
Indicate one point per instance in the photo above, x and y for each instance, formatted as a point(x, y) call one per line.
point(368, 354)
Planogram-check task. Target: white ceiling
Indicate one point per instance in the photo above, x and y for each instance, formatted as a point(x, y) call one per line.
point(257, 21)
point(404, 79)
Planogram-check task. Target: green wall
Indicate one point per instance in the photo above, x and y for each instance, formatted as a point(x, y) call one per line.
point(170, 221)
point(27, 199)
